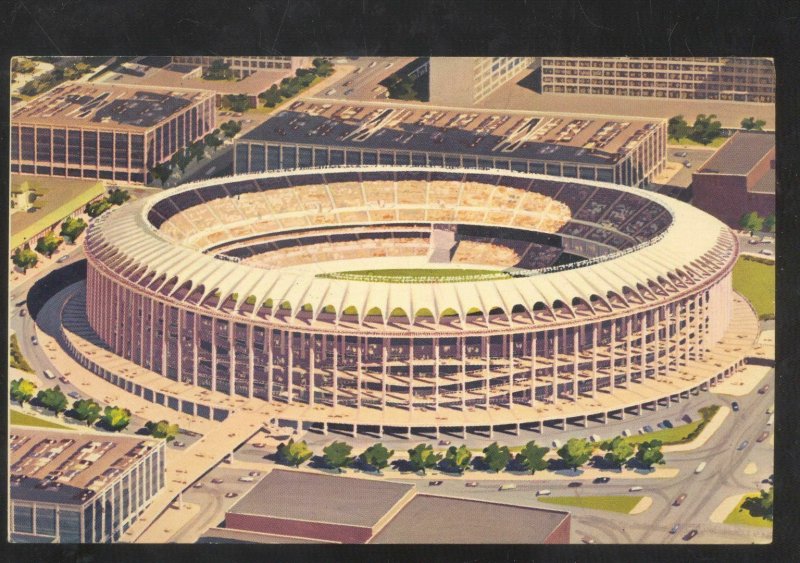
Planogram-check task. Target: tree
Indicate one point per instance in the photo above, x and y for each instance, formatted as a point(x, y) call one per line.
point(162, 429)
point(422, 457)
point(376, 456)
point(677, 128)
point(706, 129)
point(22, 65)
point(118, 196)
point(294, 453)
point(769, 223)
point(767, 499)
point(619, 450)
point(197, 150)
point(496, 457)
point(86, 410)
point(161, 172)
point(322, 66)
point(24, 258)
point(271, 97)
point(752, 221)
point(22, 390)
point(97, 208)
point(337, 455)
point(457, 459)
point(53, 399)
point(212, 140)
point(116, 418)
point(576, 452)
point(72, 227)
point(182, 158)
point(753, 124)
point(231, 128)
point(650, 453)
point(48, 244)
point(532, 457)
point(218, 70)
point(239, 103)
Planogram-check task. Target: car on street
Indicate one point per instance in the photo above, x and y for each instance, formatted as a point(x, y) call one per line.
point(63, 259)
point(389, 65)
point(22, 312)
point(763, 436)
point(743, 445)
point(198, 485)
point(771, 420)
point(63, 379)
point(254, 473)
point(770, 409)
point(257, 444)
point(752, 241)
point(587, 539)
point(575, 484)
point(600, 480)
point(507, 487)
point(700, 468)
point(769, 480)
point(372, 64)
point(766, 252)
point(217, 481)
point(231, 495)
point(444, 442)
point(626, 432)
point(434, 483)
point(687, 164)
point(542, 492)
point(635, 489)
point(763, 389)
point(667, 424)
point(75, 395)
point(735, 406)
point(648, 428)
point(49, 374)
point(679, 501)
point(34, 340)
point(690, 535)
point(472, 484)
point(675, 529)
point(681, 154)
point(348, 91)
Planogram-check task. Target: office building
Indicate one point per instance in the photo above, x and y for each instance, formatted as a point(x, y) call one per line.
point(465, 81)
point(244, 66)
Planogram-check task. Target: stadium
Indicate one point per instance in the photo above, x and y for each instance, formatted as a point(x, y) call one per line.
point(408, 295)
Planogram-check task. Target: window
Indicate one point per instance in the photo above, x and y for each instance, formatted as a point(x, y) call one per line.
point(106, 149)
point(69, 523)
point(14, 143)
point(121, 150)
point(74, 147)
point(23, 519)
point(45, 521)
point(43, 144)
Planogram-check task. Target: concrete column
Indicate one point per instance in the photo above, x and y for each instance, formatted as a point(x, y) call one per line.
point(488, 372)
point(312, 370)
point(511, 369)
point(231, 359)
point(290, 372)
point(628, 352)
point(464, 373)
point(643, 348)
point(533, 339)
point(179, 344)
point(385, 358)
point(436, 370)
point(335, 370)
point(152, 331)
point(575, 378)
point(195, 347)
point(613, 353)
point(213, 354)
point(359, 368)
point(250, 361)
point(595, 327)
point(270, 365)
point(555, 367)
point(411, 374)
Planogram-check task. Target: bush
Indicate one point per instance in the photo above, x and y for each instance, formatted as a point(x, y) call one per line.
point(17, 360)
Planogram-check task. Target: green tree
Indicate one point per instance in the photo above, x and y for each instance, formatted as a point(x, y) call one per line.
point(161, 172)
point(705, 129)
point(677, 128)
point(619, 450)
point(22, 65)
point(753, 124)
point(231, 128)
point(649, 453)
point(48, 244)
point(239, 103)
point(182, 159)
point(72, 227)
point(337, 455)
point(496, 457)
point(769, 223)
point(272, 97)
point(322, 66)
point(86, 410)
point(294, 453)
point(752, 221)
point(767, 501)
point(376, 456)
point(197, 150)
point(212, 140)
point(97, 208)
point(116, 418)
point(22, 390)
point(457, 458)
point(219, 70)
point(422, 457)
point(24, 258)
point(118, 196)
point(576, 452)
point(162, 429)
point(53, 399)
point(532, 457)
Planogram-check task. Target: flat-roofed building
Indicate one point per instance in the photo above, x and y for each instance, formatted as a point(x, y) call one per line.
point(738, 79)
point(110, 132)
point(738, 179)
point(310, 133)
point(465, 81)
point(70, 487)
point(243, 66)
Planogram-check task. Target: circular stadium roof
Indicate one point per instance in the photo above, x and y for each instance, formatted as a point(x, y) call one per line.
point(691, 248)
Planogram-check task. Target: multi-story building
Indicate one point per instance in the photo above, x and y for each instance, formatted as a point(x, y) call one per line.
point(83, 130)
point(624, 150)
point(738, 179)
point(739, 79)
point(243, 66)
point(69, 487)
point(465, 81)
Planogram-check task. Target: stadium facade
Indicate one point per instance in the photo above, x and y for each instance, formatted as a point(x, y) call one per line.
point(576, 289)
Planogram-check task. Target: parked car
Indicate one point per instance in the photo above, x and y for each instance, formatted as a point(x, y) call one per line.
point(771, 420)
point(675, 528)
point(587, 539)
point(444, 442)
point(198, 485)
point(763, 436)
point(735, 406)
point(556, 444)
point(178, 443)
point(687, 164)
point(63, 259)
point(575, 484)
point(34, 340)
point(348, 91)
point(648, 428)
point(678, 501)
point(753, 241)
point(764, 389)
point(600, 480)
point(766, 252)
point(434, 483)
point(507, 487)
point(635, 489)
point(217, 481)
point(254, 473)
point(594, 438)
point(246, 479)
point(22, 312)
point(49, 374)
point(543, 493)
point(690, 535)
point(63, 379)
point(330, 92)
point(681, 154)
point(231, 495)
point(626, 432)
point(743, 445)
point(771, 409)
point(667, 424)
point(75, 395)
point(472, 484)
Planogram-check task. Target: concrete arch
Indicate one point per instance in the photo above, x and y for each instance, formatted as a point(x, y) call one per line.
point(594, 299)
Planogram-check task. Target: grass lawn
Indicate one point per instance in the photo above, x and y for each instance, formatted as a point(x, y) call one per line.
point(417, 275)
point(17, 360)
point(741, 515)
point(623, 504)
point(756, 281)
point(690, 143)
point(28, 420)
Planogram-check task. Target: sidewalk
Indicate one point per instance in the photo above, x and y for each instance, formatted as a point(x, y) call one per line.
point(742, 382)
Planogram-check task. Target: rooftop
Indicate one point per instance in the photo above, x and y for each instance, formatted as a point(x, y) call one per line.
point(106, 106)
point(434, 519)
point(321, 498)
point(765, 184)
point(61, 466)
point(478, 132)
point(740, 154)
point(180, 75)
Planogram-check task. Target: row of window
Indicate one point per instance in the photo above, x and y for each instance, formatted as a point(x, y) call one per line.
point(765, 97)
